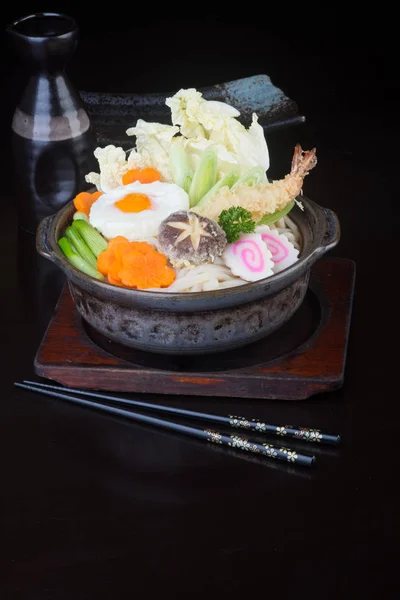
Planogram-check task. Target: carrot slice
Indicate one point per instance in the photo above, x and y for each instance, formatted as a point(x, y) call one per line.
point(84, 200)
point(147, 175)
point(104, 262)
point(114, 281)
point(117, 241)
point(135, 265)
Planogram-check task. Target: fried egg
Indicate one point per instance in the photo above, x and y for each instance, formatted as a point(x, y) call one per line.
point(136, 210)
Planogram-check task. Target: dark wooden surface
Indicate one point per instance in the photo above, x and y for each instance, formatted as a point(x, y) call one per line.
point(97, 508)
point(305, 357)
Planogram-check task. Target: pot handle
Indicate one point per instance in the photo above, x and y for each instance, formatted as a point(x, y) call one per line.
point(43, 237)
point(332, 231)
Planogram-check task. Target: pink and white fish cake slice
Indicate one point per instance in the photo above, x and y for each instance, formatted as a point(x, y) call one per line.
point(282, 251)
point(249, 257)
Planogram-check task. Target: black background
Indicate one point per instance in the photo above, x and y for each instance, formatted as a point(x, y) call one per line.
point(341, 67)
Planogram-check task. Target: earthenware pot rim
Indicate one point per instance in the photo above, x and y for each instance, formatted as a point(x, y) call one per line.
point(47, 246)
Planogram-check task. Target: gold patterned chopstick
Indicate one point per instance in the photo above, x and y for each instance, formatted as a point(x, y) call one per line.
point(233, 441)
point(247, 424)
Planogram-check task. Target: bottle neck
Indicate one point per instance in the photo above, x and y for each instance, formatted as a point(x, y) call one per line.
point(44, 41)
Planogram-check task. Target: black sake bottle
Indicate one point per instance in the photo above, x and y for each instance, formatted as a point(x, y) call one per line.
point(52, 138)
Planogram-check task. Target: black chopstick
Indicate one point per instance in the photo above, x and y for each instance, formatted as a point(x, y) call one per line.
point(299, 433)
point(234, 441)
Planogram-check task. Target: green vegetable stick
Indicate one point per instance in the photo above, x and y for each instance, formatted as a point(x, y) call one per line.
point(76, 260)
point(227, 180)
point(278, 214)
point(80, 245)
point(182, 174)
point(253, 176)
point(81, 215)
point(91, 236)
point(205, 176)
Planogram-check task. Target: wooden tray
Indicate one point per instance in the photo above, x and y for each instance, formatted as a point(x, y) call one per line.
point(304, 357)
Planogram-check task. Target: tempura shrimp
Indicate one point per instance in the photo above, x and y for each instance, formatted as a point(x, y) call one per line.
point(265, 198)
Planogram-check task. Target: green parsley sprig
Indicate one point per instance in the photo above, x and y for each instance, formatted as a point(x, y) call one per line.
point(234, 221)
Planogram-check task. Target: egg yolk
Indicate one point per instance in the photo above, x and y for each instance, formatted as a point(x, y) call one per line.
point(134, 203)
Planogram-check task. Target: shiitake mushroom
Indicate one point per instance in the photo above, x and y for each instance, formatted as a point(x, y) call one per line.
point(187, 238)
